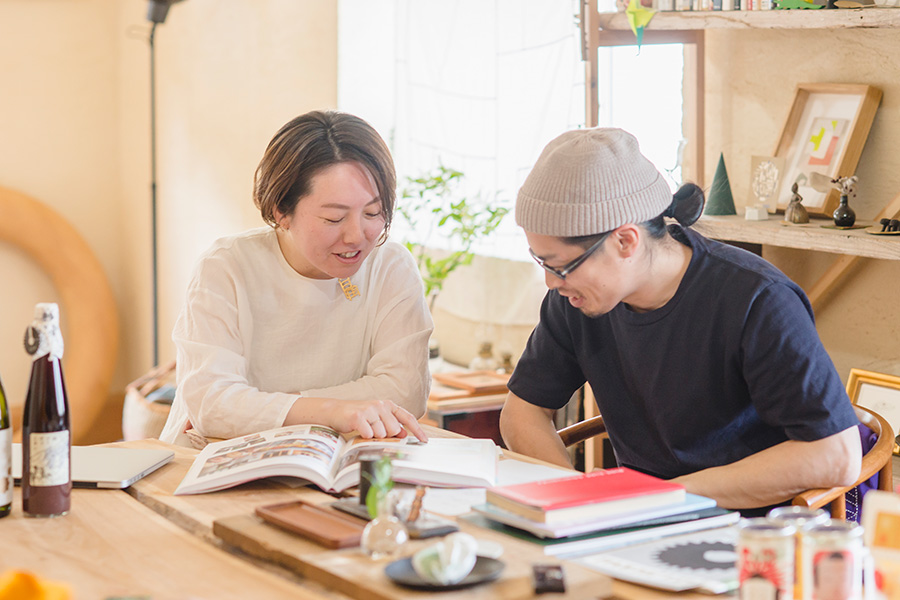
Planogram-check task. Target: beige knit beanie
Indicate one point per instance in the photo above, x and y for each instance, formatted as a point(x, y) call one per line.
point(590, 181)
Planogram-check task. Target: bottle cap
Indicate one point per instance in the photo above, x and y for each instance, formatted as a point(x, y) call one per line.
point(43, 336)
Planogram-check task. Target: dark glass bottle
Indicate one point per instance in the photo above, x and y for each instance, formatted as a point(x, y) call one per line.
point(46, 437)
point(6, 479)
point(844, 216)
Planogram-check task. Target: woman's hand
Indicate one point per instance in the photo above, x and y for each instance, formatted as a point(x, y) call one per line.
point(371, 418)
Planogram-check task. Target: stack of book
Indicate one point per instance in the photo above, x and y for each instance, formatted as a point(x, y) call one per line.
point(591, 512)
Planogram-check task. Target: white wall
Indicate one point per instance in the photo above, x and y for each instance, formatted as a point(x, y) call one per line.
point(74, 133)
point(751, 77)
point(58, 143)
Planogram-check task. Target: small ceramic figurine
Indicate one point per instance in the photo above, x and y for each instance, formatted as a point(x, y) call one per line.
point(795, 211)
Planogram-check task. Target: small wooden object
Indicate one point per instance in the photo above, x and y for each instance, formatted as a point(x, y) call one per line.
point(325, 526)
point(416, 505)
point(476, 382)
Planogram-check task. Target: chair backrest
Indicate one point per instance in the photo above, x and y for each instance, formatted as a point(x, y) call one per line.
point(878, 460)
point(581, 431)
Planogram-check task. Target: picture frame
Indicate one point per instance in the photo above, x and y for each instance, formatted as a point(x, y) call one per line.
point(825, 132)
point(879, 392)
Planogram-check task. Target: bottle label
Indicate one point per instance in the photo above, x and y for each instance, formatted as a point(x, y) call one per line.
point(43, 335)
point(6, 478)
point(49, 458)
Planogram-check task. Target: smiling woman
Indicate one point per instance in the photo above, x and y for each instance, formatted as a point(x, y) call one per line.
point(89, 314)
point(316, 318)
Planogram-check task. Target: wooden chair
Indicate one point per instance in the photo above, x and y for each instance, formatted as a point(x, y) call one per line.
point(876, 460)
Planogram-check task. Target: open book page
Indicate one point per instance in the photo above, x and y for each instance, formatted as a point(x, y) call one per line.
point(305, 451)
point(330, 460)
point(441, 462)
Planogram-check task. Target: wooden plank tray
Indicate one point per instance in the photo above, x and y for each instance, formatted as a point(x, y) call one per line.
point(350, 572)
point(475, 382)
point(321, 524)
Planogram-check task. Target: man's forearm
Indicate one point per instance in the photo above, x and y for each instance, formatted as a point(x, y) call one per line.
point(780, 472)
point(529, 430)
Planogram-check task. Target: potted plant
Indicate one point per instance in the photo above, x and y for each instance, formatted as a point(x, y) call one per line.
point(433, 205)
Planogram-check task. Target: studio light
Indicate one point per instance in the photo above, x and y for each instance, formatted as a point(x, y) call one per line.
point(157, 11)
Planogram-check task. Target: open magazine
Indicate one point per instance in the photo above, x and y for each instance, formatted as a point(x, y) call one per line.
point(330, 460)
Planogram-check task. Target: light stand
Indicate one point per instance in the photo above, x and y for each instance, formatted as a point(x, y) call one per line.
point(157, 11)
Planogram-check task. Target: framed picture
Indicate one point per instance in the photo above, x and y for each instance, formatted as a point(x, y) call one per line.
point(879, 392)
point(825, 132)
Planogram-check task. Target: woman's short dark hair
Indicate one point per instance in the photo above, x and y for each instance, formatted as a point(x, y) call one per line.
point(305, 146)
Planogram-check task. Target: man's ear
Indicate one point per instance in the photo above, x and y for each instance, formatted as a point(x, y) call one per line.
point(626, 239)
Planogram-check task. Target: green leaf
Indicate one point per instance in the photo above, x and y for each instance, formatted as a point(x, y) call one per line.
point(379, 485)
point(433, 203)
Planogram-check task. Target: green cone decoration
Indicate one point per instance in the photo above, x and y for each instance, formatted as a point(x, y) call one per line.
point(720, 200)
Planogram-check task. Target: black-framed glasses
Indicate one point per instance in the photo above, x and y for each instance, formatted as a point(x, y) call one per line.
point(563, 272)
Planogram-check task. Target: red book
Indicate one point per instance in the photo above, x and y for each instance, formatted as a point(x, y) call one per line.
point(586, 495)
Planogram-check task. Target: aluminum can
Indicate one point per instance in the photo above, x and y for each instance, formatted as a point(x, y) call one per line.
point(833, 561)
point(802, 518)
point(765, 559)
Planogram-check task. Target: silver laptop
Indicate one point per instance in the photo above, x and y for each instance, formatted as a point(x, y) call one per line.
point(105, 467)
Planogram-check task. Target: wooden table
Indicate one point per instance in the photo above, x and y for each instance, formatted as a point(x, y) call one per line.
point(150, 542)
point(111, 546)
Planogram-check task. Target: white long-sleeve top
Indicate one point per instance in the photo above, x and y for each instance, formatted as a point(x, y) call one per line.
point(254, 335)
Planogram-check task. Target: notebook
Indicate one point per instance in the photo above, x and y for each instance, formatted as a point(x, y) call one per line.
point(105, 467)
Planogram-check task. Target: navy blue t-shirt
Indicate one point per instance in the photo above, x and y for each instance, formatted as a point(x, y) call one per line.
point(731, 365)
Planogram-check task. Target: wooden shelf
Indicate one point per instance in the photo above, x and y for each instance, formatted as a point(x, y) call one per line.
point(868, 18)
point(812, 236)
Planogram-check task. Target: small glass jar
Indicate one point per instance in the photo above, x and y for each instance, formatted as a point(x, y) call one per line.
point(765, 558)
point(485, 359)
point(385, 535)
point(833, 556)
point(802, 518)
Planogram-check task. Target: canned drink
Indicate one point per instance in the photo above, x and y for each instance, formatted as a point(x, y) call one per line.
point(802, 518)
point(833, 561)
point(765, 559)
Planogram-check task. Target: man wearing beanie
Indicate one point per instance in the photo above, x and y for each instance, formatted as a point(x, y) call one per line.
point(704, 359)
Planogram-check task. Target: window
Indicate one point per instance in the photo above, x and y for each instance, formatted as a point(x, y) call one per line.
point(481, 86)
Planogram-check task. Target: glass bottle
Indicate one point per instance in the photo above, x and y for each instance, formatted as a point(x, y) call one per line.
point(384, 535)
point(844, 216)
point(46, 437)
point(435, 361)
point(485, 359)
point(6, 478)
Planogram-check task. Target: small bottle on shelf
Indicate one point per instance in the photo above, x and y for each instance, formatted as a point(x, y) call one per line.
point(46, 436)
point(6, 479)
point(485, 359)
point(843, 215)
